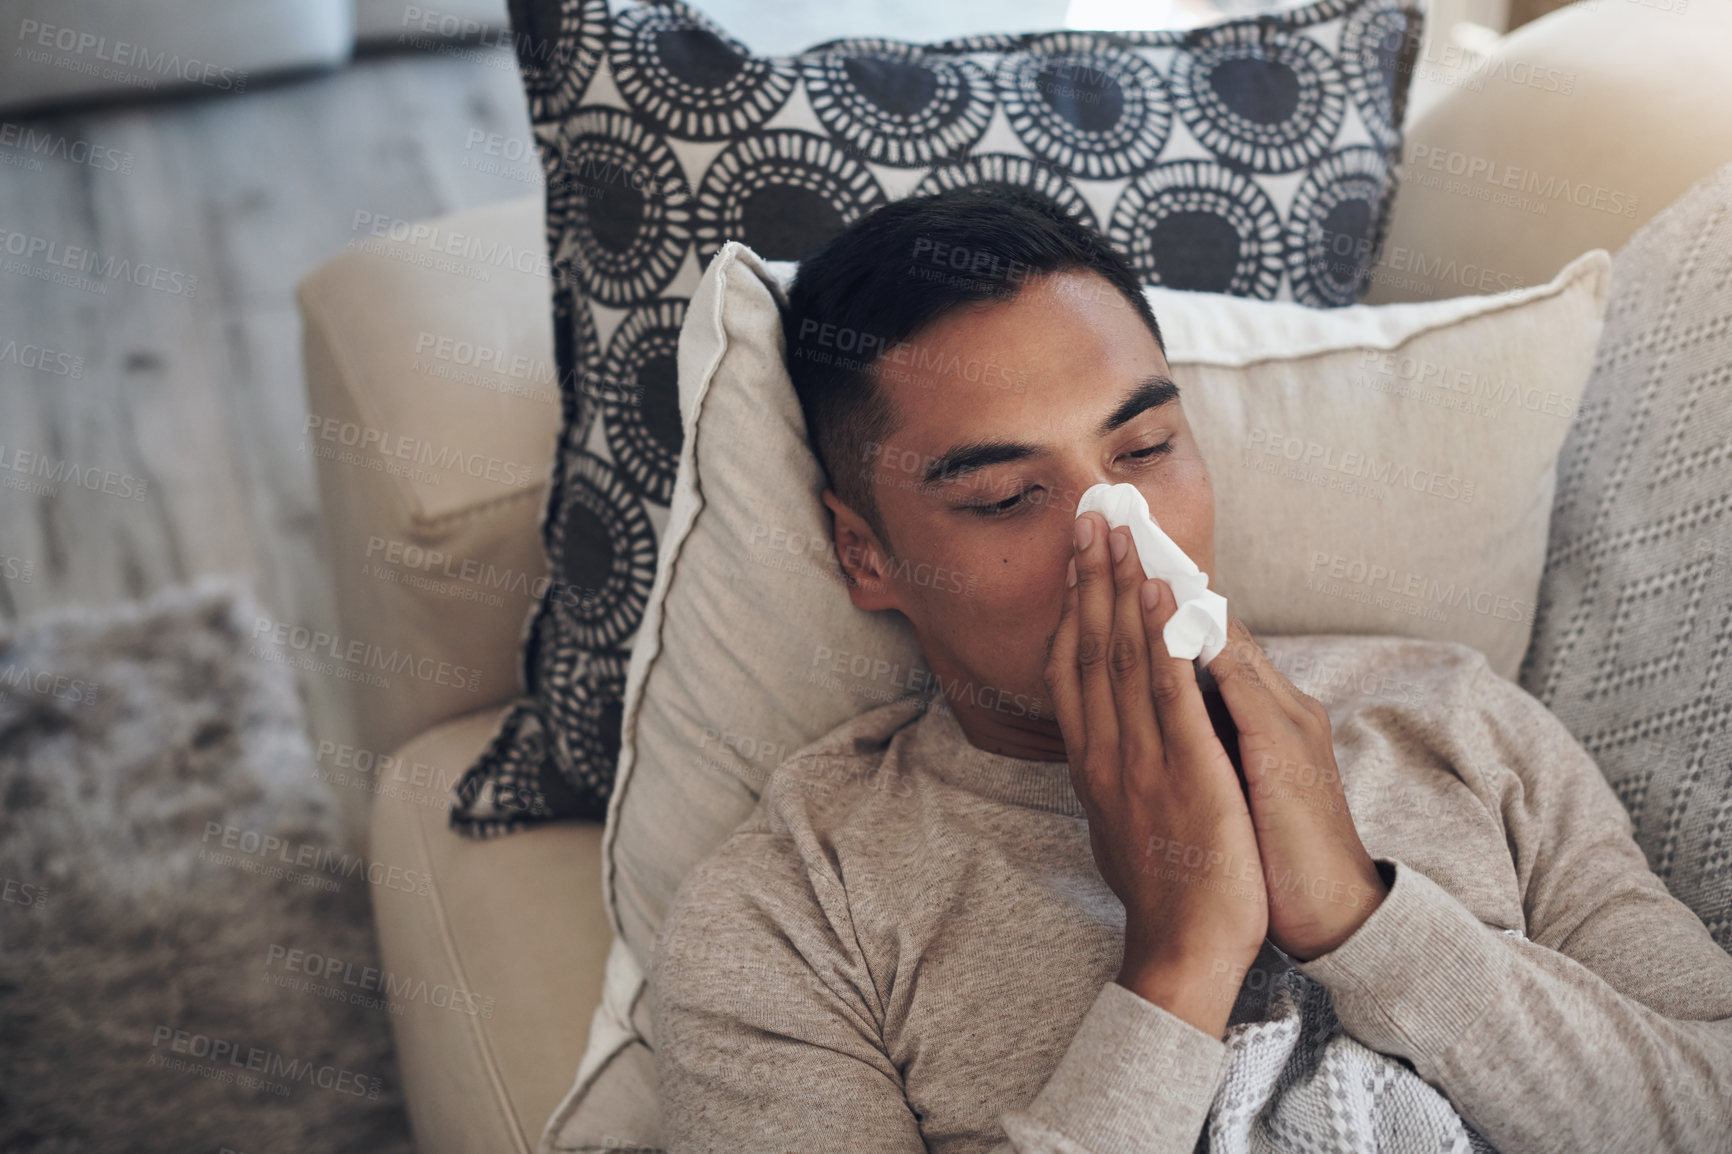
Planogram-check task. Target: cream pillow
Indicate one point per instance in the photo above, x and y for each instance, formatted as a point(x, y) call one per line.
point(1387, 469)
point(1376, 470)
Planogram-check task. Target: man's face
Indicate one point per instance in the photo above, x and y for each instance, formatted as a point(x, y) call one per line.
point(1009, 411)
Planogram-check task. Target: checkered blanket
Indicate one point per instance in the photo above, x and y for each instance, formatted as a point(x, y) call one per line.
point(1298, 1083)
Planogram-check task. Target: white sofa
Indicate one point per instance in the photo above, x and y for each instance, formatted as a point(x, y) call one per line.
point(520, 919)
point(58, 51)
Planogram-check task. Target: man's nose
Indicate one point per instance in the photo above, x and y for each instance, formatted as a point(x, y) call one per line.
point(1082, 484)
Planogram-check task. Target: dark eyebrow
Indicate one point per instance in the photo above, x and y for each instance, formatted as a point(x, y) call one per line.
point(1149, 393)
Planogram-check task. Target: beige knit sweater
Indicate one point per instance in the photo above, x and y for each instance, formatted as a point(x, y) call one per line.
point(907, 946)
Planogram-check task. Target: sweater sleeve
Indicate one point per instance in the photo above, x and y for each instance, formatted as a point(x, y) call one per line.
point(1608, 1027)
point(767, 1034)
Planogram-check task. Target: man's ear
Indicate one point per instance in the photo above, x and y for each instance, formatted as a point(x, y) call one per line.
point(865, 561)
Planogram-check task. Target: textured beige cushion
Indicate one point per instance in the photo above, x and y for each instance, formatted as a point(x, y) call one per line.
point(765, 652)
point(1581, 126)
point(1629, 648)
point(501, 959)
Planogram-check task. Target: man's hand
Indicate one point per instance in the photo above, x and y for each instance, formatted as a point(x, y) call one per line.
point(1171, 833)
point(1322, 884)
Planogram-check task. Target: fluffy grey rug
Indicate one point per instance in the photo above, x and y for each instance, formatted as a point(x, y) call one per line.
point(145, 998)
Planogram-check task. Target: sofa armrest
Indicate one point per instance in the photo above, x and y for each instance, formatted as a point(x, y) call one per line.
point(1570, 135)
point(494, 958)
point(432, 415)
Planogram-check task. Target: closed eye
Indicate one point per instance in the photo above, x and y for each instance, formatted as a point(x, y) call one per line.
point(1165, 446)
point(1016, 502)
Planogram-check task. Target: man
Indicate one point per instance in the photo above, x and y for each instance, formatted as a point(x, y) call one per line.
point(1029, 928)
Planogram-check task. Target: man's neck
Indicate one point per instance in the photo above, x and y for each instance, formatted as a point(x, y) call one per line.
point(1005, 733)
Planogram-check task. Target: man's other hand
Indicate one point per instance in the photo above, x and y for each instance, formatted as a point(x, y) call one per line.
point(1321, 882)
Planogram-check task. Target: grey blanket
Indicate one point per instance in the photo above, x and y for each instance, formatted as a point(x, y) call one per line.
point(1298, 1083)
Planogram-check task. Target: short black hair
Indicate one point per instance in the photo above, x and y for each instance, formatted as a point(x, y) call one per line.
point(897, 270)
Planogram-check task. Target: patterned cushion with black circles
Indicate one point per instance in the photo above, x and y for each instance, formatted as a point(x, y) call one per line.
point(1255, 157)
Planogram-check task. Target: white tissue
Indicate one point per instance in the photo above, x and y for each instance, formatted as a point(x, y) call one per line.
point(1198, 628)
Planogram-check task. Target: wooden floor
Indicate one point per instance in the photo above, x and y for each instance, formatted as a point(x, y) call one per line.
point(196, 398)
point(171, 418)
point(199, 396)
